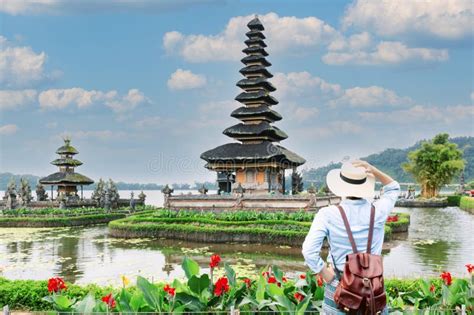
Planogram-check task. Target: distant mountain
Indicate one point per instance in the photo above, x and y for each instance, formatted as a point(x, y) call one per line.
point(33, 180)
point(5, 179)
point(391, 160)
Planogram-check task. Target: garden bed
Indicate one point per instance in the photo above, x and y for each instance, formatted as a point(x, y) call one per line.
point(467, 203)
point(228, 227)
point(222, 290)
point(63, 221)
point(56, 217)
point(422, 203)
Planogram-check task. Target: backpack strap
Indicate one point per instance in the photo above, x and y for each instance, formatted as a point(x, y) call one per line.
point(371, 229)
point(348, 229)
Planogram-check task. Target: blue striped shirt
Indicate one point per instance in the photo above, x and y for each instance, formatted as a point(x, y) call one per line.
point(328, 223)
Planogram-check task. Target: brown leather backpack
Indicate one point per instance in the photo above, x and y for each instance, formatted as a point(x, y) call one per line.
point(361, 287)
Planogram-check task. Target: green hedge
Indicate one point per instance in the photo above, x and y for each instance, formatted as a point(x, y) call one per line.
point(59, 221)
point(240, 215)
point(467, 203)
point(26, 295)
point(286, 232)
point(57, 212)
point(454, 200)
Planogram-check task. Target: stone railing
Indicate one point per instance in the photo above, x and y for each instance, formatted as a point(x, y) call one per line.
point(308, 202)
point(73, 203)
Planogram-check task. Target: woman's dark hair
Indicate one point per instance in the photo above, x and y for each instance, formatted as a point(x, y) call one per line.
point(354, 198)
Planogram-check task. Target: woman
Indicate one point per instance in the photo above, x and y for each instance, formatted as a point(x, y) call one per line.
point(355, 183)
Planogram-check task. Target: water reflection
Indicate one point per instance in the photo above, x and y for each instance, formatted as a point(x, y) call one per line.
point(438, 239)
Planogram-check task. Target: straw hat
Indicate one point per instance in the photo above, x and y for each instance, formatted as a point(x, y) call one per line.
point(351, 181)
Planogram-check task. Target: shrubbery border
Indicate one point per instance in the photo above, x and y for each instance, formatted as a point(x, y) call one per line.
point(62, 221)
point(168, 228)
point(26, 295)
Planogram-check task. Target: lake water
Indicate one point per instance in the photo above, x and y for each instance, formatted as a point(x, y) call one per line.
point(438, 239)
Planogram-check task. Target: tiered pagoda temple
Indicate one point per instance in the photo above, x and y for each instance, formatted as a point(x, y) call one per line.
point(257, 163)
point(66, 179)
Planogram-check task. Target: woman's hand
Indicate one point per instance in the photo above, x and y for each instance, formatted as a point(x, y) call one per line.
point(328, 274)
point(373, 171)
point(369, 169)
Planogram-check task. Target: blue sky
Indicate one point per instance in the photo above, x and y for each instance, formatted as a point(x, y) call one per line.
point(144, 87)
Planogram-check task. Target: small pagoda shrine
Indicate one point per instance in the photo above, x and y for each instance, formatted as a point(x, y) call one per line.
point(255, 164)
point(66, 179)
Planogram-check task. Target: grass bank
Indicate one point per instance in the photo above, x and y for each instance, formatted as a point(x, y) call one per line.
point(467, 203)
point(228, 227)
point(55, 217)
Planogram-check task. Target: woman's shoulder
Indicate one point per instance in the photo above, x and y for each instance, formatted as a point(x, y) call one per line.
point(327, 211)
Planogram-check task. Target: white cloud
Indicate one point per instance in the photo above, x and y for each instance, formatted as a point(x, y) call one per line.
point(62, 98)
point(384, 53)
point(8, 129)
point(12, 99)
point(332, 129)
point(354, 42)
point(300, 113)
point(20, 66)
point(315, 91)
point(300, 84)
point(54, 7)
point(472, 96)
point(448, 19)
point(122, 104)
point(185, 79)
point(283, 34)
point(423, 114)
point(369, 97)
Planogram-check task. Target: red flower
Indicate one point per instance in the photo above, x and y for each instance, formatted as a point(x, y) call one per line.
point(109, 300)
point(446, 276)
point(320, 281)
point(392, 218)
point(284, 279)
point(470, 268)
point(265, 274)
point(171, 291)
point(221, 286)
point(56, 284)
point(298, 296)
point(215, 260)
point(432, 288)
point(302, 276)
point(272, 279)
point(248, 282)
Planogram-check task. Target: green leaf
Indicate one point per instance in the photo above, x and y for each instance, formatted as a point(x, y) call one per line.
point(124, 301)
point(303, 305)
point(230, 273)
point(190, 267)
point(151, 293)
point(285, 303)
point(137, 301)
point(261, 286)
point(192, 302)
point(278, 273)
point(197, 285)
point(62, 303)
point(87, 305)
point(274, 290)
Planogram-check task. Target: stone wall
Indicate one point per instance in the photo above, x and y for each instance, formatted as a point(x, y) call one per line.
point(308, 202)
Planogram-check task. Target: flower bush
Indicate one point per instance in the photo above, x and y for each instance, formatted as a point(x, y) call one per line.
point(270, 291)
